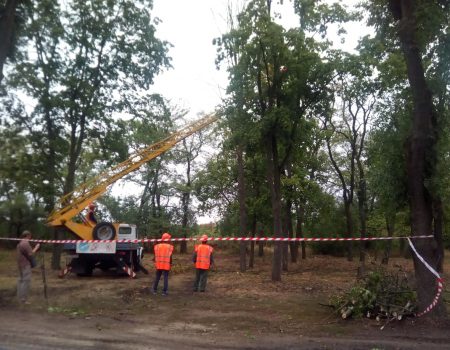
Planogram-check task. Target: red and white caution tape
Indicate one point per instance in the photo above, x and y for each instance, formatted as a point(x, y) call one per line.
point(439, 281)
point(243, 239)
point(130, 272)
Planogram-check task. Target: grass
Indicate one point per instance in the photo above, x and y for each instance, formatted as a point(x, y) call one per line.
point(4, 255)
point(67, 311)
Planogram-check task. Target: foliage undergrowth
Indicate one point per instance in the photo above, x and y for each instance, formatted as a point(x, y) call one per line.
point(382, 295)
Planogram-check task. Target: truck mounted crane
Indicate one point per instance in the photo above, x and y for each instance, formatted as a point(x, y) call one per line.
point(126, 256)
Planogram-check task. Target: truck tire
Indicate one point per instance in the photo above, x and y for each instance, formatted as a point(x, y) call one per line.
point(104, 231)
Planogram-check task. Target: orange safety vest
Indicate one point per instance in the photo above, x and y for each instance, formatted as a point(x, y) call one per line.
point(204, 252)
point(163, 252)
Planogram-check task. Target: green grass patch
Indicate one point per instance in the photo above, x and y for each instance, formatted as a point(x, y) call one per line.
point(5, 255)
point(66, 311)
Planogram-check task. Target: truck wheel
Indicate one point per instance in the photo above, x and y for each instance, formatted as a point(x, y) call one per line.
point(104, 231)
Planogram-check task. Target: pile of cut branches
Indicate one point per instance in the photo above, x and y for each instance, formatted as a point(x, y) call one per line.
point(381, 295)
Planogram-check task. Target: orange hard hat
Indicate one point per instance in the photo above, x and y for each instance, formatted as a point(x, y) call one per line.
point(166, 236)
point(91, 205)
point(204, 238)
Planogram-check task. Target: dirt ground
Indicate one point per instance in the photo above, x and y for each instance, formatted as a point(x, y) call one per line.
point(238, 310)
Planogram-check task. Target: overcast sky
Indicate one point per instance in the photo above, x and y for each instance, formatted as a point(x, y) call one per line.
point(194, 83)
point(190, 26)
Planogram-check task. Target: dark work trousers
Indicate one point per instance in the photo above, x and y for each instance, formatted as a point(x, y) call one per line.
point(201, 276)
point(166, 280)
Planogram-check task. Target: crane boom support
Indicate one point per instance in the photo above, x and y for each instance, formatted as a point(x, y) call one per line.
point(74, 202)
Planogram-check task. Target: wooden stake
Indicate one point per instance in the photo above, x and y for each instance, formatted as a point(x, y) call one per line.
point(44, 279)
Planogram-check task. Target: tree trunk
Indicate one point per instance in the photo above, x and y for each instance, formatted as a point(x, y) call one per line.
point(68, 187)
point(362, 221)
point(186, 199)
point(143, 219)
point(293, 246)
point(56, 250)
point(184, 221)
point(51, 177)
point(287, 232)
point(273, 180)
point(242, 209)
point(349, 221)
point(347, 195)
point(252, 243)
point(261, 244)
point(299, 229)
point(390, 226)
point(421, 159)
point(285, 257)
point(261, 248)
point(7, 24)
point(438, 215)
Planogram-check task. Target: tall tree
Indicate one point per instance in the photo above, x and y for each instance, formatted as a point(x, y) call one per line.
point(387, 162)
point(262, 56)
point(279, 77)
point(151, 123)
point(356, 94)
point(86, 73)
point(186, 157)
point(421, 160)
point(413, 27)
point(230, 50)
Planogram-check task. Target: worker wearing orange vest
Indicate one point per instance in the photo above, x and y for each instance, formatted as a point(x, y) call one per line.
point(163, 262)
point(203, 259)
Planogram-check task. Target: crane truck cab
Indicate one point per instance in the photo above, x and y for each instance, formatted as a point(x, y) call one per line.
point(87, 256)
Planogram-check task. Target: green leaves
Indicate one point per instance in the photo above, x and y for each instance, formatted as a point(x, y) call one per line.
point(87, 64)
point(317, 16)
point(381, 295)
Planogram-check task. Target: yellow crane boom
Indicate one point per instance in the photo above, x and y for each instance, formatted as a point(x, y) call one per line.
point(74, 202)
